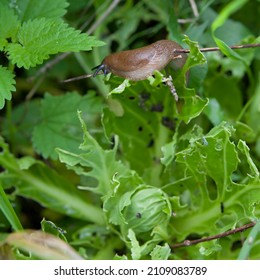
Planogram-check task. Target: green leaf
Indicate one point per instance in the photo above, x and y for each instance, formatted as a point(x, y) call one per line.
point(24, 118)
point(94, 162)
point(249, 242)
point(214, 112)
point(228, 10)
point(253, 115)
point(8, 211)
point(41, 183)
point(143, 122)
point(6, 85)
point(223, 89)
point(136, 250)
point(193, 107)
point(161, 252)
point(123, 192)
point(31, 9)
point(194, 104)
point(140, 209)
point(59, 122)
point(121, 87)
point(50, 227)
point(169, 150)
point(40, 38)
point(10, 27)
point(210, 188)
point(245, 150)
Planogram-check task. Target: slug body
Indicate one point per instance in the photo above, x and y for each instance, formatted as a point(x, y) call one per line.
point(138, 64)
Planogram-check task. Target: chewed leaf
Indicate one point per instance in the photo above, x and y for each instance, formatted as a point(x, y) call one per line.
point(211, 161)
point(121, 87)
point(195, 56)
point(94, 162)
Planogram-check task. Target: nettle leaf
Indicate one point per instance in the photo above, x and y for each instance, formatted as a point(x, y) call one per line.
point(31, 9)
point(213, 200)
point(7, 83)
point(59, 122)
point(10, 27)
point(40, 38)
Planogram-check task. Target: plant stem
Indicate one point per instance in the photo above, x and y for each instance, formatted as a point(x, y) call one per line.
point(205, 239)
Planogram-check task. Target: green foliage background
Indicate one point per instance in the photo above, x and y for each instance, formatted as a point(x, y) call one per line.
point(119, 170)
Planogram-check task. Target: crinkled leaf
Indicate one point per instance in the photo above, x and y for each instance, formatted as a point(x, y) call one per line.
point(7, 83)
point(193, 107)
point(59, 122)
point(94, 162)
point(136, 250)
point(242, 146)
point(207, 248)
point(212, 197)
point(194, 104)
point(161, 252)
point(121, 87)
point(195, 56)
point(40, 38)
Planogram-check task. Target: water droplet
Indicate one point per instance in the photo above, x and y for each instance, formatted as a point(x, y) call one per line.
point(219, 145)
point(250, 240)
point(228, 188)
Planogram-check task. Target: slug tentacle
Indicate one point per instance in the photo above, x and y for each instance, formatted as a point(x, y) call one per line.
point(99, 68)
point(138, 64)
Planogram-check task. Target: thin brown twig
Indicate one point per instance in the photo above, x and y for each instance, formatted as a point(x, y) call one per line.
point(214, 49)
point(187, 242)
point(80, 78)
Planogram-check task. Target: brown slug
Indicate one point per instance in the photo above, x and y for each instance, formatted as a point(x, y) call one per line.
point(138, 64)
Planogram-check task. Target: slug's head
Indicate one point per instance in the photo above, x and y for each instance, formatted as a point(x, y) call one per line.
point(102, 67)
